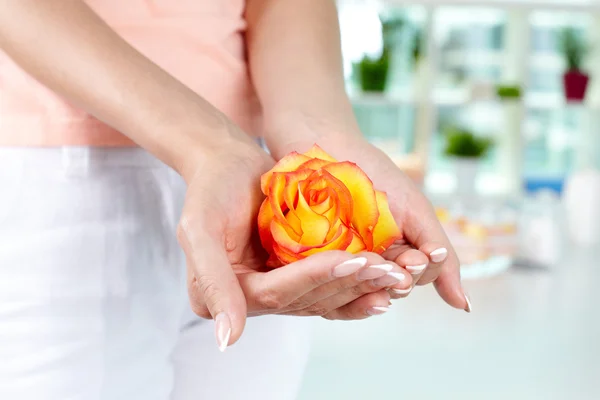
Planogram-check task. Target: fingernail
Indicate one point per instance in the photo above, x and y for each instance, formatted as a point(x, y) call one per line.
point(468, 309)
point(438, 255)
point(391, 278)
point(401, 292)
point(416, 269)
point(222, 330)
point(374, 271)
point(349, 267)
point(377, 310)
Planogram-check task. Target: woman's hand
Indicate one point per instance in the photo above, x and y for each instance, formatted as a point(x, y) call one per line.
point(435, 261)
point(227, 278)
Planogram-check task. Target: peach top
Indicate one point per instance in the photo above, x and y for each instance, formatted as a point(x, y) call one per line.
point(200, 42)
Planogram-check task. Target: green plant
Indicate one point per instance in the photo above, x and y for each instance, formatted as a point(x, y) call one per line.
point(417, 46)
point(464, 144)
point(574, 48)
point(373, 72)
point(508, 91)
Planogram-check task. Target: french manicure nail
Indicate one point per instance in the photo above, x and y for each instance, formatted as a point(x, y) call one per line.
point(391, 278)
point(438, 255)
point(222, 330)
point(349, 267)
point(468, 309)
point(416, 269)
point(374, 271)
point(377, 310)
point(401, 292)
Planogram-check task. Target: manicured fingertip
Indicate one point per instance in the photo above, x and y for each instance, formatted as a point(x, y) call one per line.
point(222, 330)
point(438, 255)
point(468, 300)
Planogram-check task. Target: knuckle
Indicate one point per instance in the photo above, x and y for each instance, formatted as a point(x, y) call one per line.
point(357, 290)
point(270, 300)
point(208, 288)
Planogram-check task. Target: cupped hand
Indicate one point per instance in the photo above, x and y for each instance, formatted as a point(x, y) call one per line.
point(227, 277)
point(425, 251)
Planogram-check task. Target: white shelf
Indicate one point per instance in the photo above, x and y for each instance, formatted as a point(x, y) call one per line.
point(571, 5)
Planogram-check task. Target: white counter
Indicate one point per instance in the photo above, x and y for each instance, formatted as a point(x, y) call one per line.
point(533, 334)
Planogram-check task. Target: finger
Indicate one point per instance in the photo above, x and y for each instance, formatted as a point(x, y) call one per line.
point(375, 275)
point(274, 290)
point(413, 260)
point(371, 304)
point(213, 287)
point(337, 294)
point(423, 230)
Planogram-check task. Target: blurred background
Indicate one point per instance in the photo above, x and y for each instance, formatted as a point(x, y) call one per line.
point(492, 107)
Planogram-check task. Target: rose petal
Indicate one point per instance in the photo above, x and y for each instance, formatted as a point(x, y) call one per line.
point(265, 216)
point(294, 222)
point(386, 231)
point(343, 199)
point(340, 241)
point(282, 238)
point(314, 226)
point(323, 201)
point(290, 193)
point(357, 245)
point(335, 227)
point(365, 212)
point(315, 164)
point(278, 205)
point(289, 163)
point(283, 257)
point(317, 152)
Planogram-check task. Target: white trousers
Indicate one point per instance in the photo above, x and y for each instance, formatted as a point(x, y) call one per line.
point(92, 293)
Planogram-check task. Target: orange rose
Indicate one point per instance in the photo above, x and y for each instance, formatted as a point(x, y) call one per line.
point(315, 203)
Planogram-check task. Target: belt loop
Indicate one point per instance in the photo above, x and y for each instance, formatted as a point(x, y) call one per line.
point(76, 160)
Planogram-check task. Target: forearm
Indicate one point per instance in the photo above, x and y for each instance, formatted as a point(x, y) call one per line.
point(67, 47)
point(296, 64)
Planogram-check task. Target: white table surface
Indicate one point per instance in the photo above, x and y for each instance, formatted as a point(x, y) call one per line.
point(533, 334)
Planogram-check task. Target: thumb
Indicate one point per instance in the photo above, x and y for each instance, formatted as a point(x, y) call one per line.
point(213, 287)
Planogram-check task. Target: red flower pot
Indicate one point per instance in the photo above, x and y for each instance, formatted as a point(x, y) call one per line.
point(575, 85)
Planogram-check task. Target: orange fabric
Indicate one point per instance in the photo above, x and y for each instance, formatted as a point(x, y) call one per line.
point(200, 42)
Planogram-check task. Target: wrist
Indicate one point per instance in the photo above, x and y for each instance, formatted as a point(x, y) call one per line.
point(297, 131)
point(203, 148)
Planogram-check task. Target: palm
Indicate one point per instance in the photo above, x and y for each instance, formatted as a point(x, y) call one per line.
point(236, 198)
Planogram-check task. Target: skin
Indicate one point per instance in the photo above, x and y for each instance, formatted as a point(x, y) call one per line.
point(296, 65)
point(220, 164)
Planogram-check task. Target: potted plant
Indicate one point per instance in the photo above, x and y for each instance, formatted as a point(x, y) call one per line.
point(373, 72)
point(467, 149)
point(575, 80)
point(508, 92)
